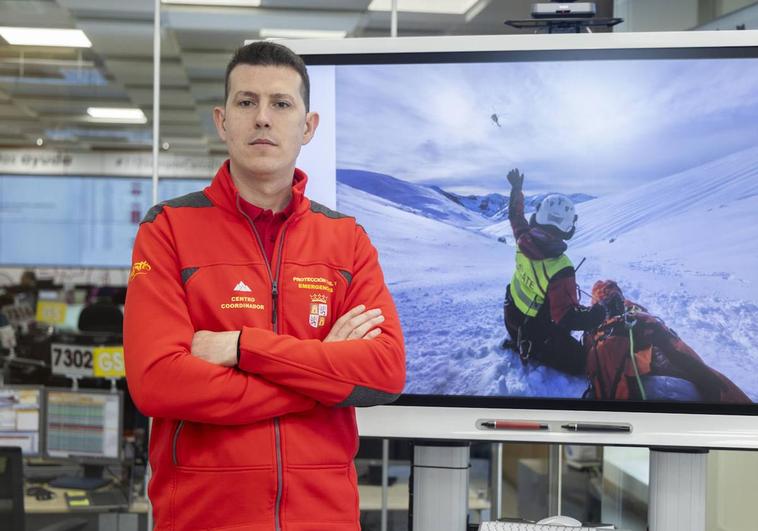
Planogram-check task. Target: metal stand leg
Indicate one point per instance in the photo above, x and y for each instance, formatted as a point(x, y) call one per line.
point(440, 487)
point(555, 477)
point(496, 487)
point(385, 483)
point(677, 490)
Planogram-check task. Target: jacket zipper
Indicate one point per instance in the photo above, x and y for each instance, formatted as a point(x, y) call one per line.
point(274, 279)
point(277, 434)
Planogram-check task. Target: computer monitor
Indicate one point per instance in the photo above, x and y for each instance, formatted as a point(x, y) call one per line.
point(11, 489)
point(651, 136)
point(84, 425)
point(21, 418)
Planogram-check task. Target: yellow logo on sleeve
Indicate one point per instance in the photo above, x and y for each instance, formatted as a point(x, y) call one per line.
point(139, 268)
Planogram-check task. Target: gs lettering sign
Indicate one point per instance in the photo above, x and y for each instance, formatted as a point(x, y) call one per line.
point(109, 362)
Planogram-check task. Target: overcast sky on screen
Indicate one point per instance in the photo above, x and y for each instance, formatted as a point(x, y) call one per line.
point(590, 126)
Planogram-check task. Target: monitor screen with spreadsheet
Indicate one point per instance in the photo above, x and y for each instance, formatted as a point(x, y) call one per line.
point(83, 424)
point(21, 418)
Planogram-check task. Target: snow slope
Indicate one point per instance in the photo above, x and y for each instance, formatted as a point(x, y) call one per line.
point(448, 284)
point(714, 184)
point(684, 246)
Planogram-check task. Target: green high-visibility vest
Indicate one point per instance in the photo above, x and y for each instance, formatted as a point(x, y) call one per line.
point(530, 280)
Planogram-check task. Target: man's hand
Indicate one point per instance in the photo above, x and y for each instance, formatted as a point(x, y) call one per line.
point(219, 348)
point(516, 179)
point(358, 323)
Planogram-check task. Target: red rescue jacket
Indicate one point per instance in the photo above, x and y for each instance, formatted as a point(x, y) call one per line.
point(613, 375)
point(268, 445)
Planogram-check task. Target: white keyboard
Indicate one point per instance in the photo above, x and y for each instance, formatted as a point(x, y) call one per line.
point(520, 526)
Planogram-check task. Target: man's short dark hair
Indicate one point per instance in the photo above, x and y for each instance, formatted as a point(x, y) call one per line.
point(267, 53)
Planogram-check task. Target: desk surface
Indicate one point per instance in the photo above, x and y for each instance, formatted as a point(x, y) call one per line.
point(370, 500)
point(397, 498)
point(58, 503)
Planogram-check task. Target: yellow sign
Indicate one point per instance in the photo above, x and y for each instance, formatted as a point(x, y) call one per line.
point(51, 312)
point(109, 362)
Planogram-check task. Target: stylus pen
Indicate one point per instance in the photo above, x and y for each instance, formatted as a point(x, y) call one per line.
point(596, 427)
point(514, 425)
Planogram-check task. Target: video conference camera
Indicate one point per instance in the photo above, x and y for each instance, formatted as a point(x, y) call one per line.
point(564, 17)
point(564, 10)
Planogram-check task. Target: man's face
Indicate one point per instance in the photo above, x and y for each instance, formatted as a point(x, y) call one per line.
point(263, 122)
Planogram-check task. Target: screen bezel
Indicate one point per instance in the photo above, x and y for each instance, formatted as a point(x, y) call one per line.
point(606, 46)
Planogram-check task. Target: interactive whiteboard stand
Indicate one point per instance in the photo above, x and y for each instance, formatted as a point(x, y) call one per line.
point(439, 498)
point(677, 493)
point(676, 497)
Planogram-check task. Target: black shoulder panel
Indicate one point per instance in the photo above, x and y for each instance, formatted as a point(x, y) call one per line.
point(193, 200)
point(318, 208)
point(348, 276)
point(187, 272)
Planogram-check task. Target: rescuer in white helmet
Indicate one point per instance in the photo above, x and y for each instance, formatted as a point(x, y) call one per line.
point(541, 306)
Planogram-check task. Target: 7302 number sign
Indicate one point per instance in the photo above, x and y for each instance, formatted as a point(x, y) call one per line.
point(80, 361)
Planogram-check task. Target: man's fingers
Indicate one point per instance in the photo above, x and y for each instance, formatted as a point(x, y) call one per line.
point(362, 329)
point(373, 333)
point(345, 318)
point(363, 318)
point(357, 323)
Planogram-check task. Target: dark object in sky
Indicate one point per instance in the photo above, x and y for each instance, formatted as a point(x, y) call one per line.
point(495, 119)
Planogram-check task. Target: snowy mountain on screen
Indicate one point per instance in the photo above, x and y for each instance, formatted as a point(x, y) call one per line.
point(684, 246)
point(415, 198)
point(427, 201)
point(493, 206)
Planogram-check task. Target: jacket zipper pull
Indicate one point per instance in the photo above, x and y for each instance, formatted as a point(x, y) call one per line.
point(274, 296)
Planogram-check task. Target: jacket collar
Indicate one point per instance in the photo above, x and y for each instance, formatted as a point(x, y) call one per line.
point(224, 193)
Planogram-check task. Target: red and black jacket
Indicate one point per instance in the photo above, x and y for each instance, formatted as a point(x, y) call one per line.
point(267, 445)
point(561, 305)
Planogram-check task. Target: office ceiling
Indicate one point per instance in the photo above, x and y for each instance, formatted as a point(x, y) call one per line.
point(45, 91)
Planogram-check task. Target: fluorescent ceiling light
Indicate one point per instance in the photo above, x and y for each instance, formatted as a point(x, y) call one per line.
point(73, 38)
point(447, 7)
point(119, 114)
point(301, 34)
point(228, 3)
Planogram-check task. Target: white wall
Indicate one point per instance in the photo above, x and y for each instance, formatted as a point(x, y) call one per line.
point(656, 15)
point(727, 6)
point(730, 19)
point(732, 494)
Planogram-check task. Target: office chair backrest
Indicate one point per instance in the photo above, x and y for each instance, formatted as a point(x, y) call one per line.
point(101, 316)
point(11, 489)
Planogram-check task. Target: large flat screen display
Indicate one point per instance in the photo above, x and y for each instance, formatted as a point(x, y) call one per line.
point(76, 221)
point(610, 190)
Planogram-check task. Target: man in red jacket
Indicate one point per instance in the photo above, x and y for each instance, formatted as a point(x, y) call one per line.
point(255, 321)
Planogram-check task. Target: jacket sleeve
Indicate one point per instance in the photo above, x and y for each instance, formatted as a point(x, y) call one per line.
point(164, 379)
point(342, 373)
point(565, 309)
point(516, 216)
